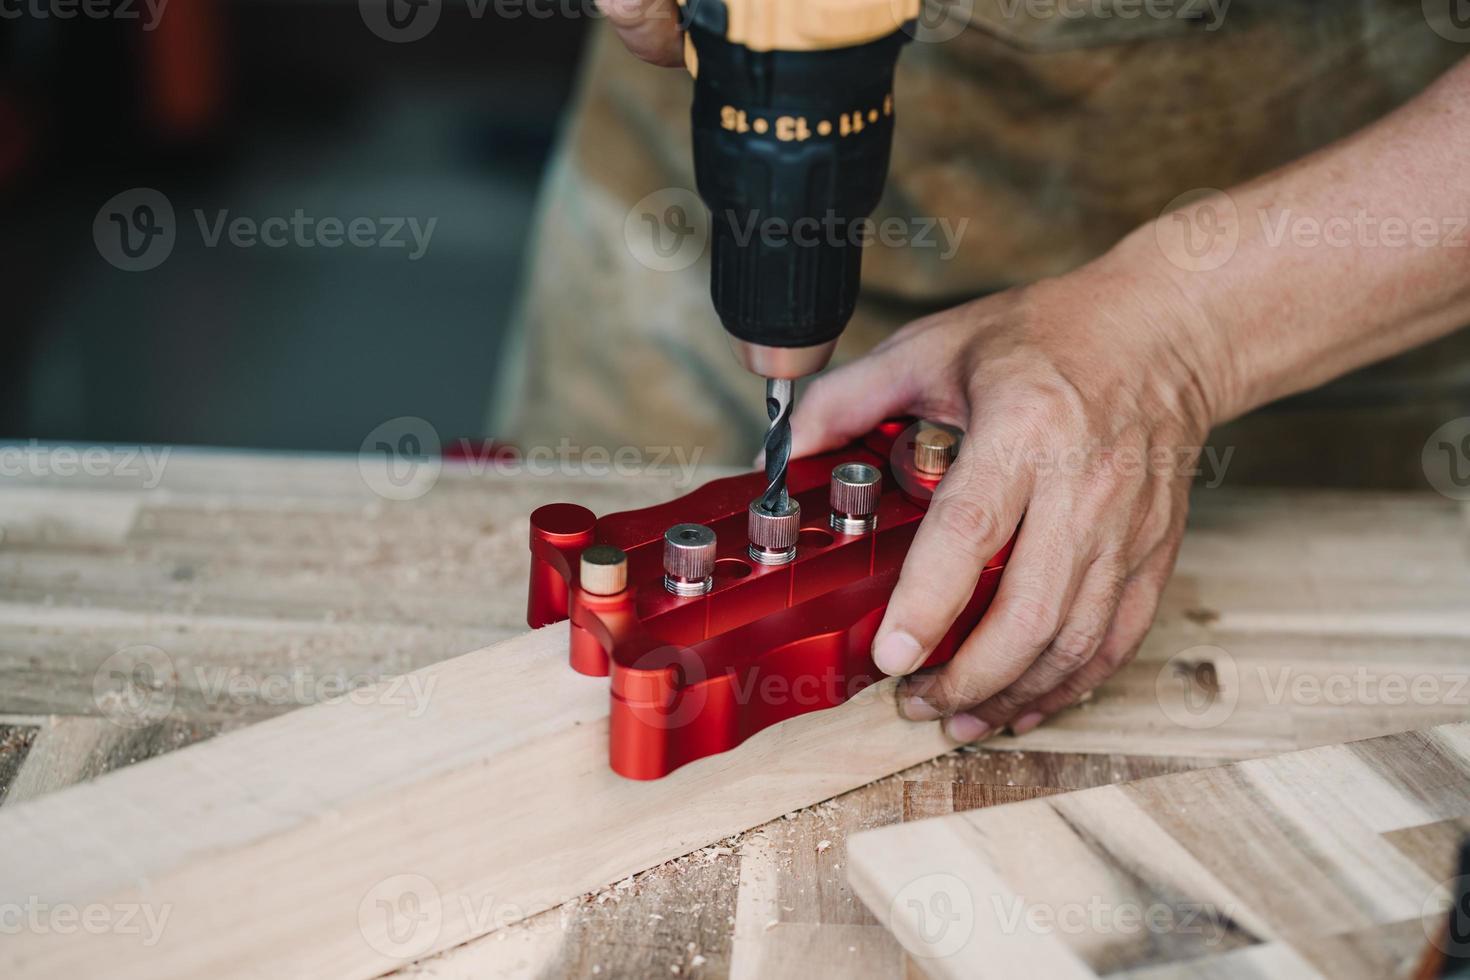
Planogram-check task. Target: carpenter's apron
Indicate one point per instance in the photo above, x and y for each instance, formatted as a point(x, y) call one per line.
point(1050, 127)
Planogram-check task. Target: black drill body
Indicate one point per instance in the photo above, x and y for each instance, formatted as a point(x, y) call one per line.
point(791, 150)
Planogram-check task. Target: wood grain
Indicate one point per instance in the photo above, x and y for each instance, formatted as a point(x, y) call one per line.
point(262, 568)
point(264, 843)
point(1315, 862)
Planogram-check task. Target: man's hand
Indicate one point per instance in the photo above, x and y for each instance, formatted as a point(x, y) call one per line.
point(1084, 412)
point(649, 28)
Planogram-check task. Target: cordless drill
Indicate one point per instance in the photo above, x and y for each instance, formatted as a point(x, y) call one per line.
point(792, 124)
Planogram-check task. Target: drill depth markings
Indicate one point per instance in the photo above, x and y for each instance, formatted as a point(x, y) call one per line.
point(789, 128)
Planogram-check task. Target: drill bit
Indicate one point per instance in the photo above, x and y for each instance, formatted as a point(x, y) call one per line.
point(779, 396)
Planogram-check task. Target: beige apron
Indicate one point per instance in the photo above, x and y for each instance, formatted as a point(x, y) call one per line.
point(1049, 128)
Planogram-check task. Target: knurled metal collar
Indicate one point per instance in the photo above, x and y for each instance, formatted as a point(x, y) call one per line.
point(689, 552)
point(934, 450)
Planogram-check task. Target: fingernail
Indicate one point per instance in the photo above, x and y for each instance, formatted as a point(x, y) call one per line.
point(1026, 722)
point(966, 728)
point(897, 653)
point(917, 709)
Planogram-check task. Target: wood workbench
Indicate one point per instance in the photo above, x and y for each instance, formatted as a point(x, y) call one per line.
point(267, 582)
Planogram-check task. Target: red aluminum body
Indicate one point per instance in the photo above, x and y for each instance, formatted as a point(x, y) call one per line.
point(692, 677)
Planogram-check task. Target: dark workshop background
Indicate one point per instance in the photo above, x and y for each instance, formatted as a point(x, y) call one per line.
point(264, 107)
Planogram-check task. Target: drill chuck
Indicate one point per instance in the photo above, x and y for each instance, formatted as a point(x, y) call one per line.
point(791, 152)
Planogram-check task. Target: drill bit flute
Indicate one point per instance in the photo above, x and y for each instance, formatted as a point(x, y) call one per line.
point(774, 520)
point(779, 394)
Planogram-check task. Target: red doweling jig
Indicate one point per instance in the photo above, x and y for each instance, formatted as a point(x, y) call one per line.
point(709, 632)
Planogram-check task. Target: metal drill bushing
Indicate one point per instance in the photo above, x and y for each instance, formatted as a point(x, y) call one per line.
point(604, 570)
point(855, 491)
point(773, 535)
point(934, 450)
point(689, 559)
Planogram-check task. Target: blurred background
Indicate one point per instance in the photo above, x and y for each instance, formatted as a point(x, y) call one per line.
point(261, 108)
point(256, 109)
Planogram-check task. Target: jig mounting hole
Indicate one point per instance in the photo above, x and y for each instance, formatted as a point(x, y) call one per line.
point(813, 537)
point(731, 568)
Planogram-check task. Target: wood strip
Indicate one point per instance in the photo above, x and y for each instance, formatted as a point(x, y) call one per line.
point(304, 845)
point(1315, 862)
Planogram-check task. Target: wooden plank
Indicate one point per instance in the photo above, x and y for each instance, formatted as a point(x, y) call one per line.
point(291, 847)
point(1314, 861)
point(70, 749)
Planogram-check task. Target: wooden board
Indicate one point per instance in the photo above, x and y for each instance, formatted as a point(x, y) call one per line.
point(1316, 862)
point(262, 568)
point(486, 798)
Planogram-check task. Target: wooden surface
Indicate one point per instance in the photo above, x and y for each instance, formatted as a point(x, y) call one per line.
point(256, 569)
point(1336, 861)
